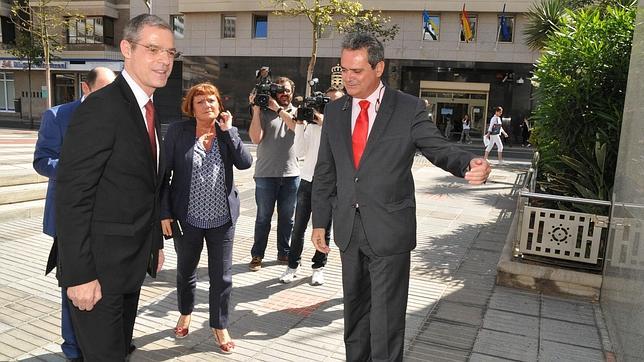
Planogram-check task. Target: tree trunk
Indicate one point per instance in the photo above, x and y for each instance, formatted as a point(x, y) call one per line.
point(47, 66)
point(314, 56)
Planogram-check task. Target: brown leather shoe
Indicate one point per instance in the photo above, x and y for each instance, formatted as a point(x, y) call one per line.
point(282, 259)
point(255, 264)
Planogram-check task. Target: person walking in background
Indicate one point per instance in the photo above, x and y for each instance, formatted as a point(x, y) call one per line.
point(493, 134)
point(307, 143)
point(107, 206)
point(277, 173)
point(199, 193)
point(363, 180)
point(50, 139)
point(449, 126)
point(465, 134)
point(525, 132)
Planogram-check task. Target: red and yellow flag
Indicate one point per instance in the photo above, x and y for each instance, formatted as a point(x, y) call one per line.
point(465, 23)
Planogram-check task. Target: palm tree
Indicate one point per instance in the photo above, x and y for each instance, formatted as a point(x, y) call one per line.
point(544, 17)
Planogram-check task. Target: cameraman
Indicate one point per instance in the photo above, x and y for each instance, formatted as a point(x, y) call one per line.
point(276, 170)
point(307, 143)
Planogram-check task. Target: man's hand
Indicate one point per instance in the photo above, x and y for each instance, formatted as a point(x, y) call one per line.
point(85, 296)
point(272, 104)
point(317, 237)
point(166, 227)
point(161, 260)
point(319, 118)
point(479, 171)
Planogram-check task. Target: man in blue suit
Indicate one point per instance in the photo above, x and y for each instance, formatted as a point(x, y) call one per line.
point(50, 139)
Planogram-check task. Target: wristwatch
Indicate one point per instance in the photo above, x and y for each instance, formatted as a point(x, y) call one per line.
point(279, 110)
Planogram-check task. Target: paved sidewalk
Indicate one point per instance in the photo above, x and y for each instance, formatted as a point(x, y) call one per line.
point(455, 311)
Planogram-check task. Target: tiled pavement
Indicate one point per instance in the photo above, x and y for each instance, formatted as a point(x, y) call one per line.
point(455, 311)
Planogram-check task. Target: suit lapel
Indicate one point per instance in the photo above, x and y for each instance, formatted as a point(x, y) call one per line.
point(345, 126)
point(385, 111)
point(139, 124)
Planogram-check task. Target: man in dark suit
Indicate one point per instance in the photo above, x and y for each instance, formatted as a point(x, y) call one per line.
point(50, 139)
point(363, 177)
point(107, 209)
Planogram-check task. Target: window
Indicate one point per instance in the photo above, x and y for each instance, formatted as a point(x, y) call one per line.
point(91, 30)
point(505, 29)
point(8, 31)
point(260, 26)
point(229, 23)
point(7, 91)
point(176, 22)
point(473, 22)
point(431, 27)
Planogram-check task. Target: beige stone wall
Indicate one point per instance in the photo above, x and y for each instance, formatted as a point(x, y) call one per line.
point(385, 5)
point(288, 36)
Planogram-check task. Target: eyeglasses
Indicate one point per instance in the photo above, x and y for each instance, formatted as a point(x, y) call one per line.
point(155, 51)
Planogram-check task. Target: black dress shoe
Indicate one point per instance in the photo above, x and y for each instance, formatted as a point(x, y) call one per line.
point(78, 359)
point(131, 349)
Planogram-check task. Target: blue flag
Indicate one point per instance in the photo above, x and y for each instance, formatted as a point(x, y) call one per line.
point(505, 26)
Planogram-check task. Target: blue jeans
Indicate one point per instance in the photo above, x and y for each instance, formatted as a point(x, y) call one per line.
point(302, 217)
point(70, 346)
point(268, 191)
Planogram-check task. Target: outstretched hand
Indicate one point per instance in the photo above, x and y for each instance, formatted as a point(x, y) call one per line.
point(479, 171)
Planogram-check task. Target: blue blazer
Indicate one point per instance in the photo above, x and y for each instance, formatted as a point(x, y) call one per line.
point(50, 140)
point(179, 142)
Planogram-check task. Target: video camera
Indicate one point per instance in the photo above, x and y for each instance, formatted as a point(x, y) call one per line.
point(316, 102)
point(265, 88)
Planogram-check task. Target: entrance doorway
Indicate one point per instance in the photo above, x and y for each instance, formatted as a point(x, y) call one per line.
point(448, 119)
point(450, 101)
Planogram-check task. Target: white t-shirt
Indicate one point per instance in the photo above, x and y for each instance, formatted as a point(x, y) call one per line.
point(495, 121)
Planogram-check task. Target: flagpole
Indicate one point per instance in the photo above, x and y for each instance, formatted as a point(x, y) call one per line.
point(498, 30)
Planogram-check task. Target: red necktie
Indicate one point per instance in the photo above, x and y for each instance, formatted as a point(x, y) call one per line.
point(360, 132)
point(149, 118)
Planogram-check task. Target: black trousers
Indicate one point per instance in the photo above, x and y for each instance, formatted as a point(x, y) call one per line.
point(219, 242)
point(375, 300)
point(105, 332)
point(302, 217)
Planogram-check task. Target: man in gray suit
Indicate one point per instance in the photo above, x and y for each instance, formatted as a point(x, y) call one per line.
point(363, 177)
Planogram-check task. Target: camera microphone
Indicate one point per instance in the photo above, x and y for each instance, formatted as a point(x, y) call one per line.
point(346, 103)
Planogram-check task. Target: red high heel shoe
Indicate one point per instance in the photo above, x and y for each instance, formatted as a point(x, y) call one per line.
point(180, 332)
point(226, 348)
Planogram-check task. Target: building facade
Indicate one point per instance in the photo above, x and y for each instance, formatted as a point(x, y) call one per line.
point(227, 41)
point(89, 42)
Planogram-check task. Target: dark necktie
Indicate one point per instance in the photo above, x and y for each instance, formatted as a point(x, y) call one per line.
point(149, 118)
point(360, 132)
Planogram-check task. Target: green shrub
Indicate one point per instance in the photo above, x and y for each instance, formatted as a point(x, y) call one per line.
point(580, 84)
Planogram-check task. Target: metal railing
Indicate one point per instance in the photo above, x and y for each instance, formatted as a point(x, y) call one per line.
point(559, 236)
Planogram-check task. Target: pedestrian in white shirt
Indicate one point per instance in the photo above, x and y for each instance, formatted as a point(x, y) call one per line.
point(493, 134)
